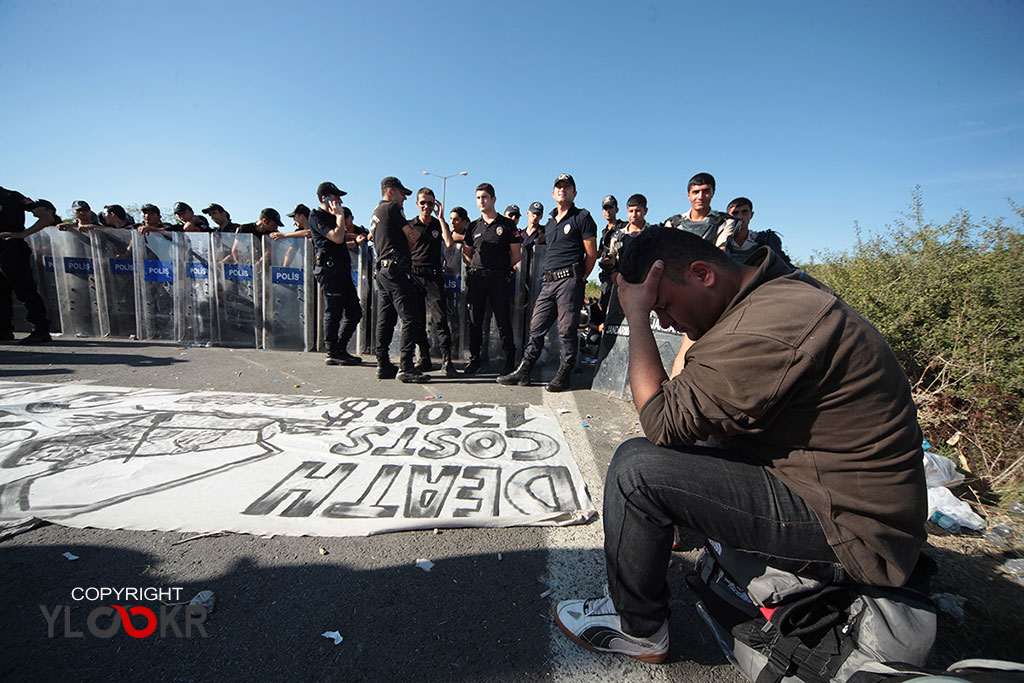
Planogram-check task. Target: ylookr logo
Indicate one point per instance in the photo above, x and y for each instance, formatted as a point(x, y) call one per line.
point(138, 621)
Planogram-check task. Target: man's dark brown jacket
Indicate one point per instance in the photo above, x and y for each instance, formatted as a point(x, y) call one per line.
point(795, 377)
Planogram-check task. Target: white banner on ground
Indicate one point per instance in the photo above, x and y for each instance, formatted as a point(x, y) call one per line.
point(119, 458)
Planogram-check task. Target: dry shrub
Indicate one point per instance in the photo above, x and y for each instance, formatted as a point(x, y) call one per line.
point(949, 300)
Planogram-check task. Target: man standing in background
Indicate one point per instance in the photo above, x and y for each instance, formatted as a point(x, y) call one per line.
point(428, 274)
point(332, 273)
point(714, 226)
point(571, 236)
point(15, 264)
point(492, 250)
point(610, 209)
point(397, 295)
point(221, 217)
point(189, 220)
point(745, 241)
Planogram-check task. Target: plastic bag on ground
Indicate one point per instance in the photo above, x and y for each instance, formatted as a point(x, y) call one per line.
point(940, 470)
point(943, 505)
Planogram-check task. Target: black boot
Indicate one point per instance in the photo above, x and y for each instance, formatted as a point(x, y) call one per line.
point(36, 336)
point(333, 355)
point(424, 364)
point(473, 367)
point(560, 382)
point(409, 374)
point(446, 364)
point(385, 368)
point(342, 355)
point(521, 376)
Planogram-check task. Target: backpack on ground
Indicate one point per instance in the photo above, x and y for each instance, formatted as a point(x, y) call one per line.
point(775, 626)
point(965, 671)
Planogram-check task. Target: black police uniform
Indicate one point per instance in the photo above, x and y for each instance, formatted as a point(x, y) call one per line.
point(428, 274)
point(15, 267)
point(606, 274)
point(397, 294)
point(254, 228)
point(561, 293)
point(333, 272)
point(490, 270)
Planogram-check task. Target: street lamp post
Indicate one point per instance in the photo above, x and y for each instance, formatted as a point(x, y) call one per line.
point(444, 183)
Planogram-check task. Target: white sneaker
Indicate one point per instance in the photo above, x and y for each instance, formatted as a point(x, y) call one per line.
point(594, 624)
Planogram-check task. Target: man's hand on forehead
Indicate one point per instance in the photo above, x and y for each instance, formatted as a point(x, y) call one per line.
point(639, 299)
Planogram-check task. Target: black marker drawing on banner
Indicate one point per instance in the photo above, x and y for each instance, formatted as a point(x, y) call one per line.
point(388, 456)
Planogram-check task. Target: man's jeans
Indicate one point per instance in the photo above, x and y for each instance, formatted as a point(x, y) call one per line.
point(717, 494)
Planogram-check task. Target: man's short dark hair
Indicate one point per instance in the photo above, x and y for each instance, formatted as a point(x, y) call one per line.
point(677, 248)
point(701, 179)
point(346, 212)
point(425, 190)
point(486, 187)
point(637, 200)
point(461, 213)
point(738, 202)
point(115, 210)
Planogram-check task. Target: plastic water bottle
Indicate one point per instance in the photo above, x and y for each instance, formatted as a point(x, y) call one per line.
point(946, 521)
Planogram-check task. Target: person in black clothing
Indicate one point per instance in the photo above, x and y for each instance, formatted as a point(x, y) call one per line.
point(190, 222)
point(15, 264)
point(492, 249)
point(571, 236)
point(610, 209)
point(114, 216)
point(333, 273)
point(221, 217)
point(534, 232)
point(397, 294)
point(269, 221)
point(151, 220)
point(428, 274)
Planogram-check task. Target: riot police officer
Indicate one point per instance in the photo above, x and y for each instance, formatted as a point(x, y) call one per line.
point(333, 273)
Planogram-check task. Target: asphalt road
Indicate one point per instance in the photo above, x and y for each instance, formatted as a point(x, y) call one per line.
point(482, 613)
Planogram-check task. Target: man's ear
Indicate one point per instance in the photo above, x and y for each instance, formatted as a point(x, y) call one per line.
point(702, 271)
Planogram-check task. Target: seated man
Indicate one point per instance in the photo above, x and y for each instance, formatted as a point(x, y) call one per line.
point(817, 465)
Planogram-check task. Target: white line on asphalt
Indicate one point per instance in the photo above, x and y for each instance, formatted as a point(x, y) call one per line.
point(575, 567)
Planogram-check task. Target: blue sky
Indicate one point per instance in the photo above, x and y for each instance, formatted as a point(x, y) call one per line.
point(824, 114)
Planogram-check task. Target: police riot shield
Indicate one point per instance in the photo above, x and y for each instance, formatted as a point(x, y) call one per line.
point(194, 291)
point(235, 256)
point(492, 350)
point(115, 280)
point(533, 280)
point(362, 274)
point(41, 265)
point(611, 377)
point(455, 300)
point(287, 293)
point(154, 256)
point(363, 339)
point(76, 283)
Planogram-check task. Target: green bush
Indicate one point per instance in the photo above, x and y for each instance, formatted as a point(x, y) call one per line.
point(949, 299)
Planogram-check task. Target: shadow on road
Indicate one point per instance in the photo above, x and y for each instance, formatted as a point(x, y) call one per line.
point(471, 618)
